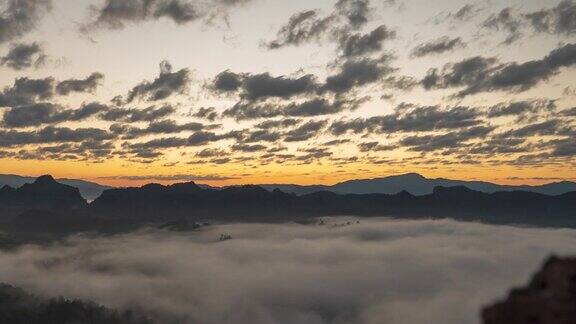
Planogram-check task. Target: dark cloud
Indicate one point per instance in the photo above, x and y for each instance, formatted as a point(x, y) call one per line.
point(51, 134)
point(158, 127)
point(416, 119)
point(358, 72)
point(559, 20)
point(262, 86)
point(429, 143)
point(548, 127)
point(306, 131)
point(89, 84)
point(307, 26)
point(523, 110)
point(19, 17)
point(375, 147)
point(314, 107)
point(164, 86)
point(22, 56)
point(480, 74)
point(359, 45)
point(247, 148)
point(467, 72)
point(303, 27)
point(30, 115)
point(438, 46)
point(211, 152)
point(494, 146)
point(132, 115)
point(116, 14)
point(278, 124)
point(208, 113)
point(564, 147)
point(196, 139)
point(357, 12)
point(464, 13)
point(201, 138)
point(227, 81)
point(86, 150)
point(507, 21)
point(27, 91)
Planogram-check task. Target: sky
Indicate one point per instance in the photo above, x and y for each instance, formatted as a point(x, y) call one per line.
point(125, 92)
point(377, 271)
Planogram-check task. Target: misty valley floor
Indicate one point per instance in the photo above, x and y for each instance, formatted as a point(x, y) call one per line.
point(375, 271)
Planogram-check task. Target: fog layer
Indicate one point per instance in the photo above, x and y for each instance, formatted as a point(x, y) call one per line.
point(377, 271)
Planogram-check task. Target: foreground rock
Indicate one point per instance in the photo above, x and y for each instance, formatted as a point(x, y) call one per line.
point(550, 298)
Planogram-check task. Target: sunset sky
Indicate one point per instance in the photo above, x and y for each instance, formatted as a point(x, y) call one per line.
point(125, 92)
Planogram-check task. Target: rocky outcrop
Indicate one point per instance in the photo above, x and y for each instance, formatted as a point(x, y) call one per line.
point(550, 298)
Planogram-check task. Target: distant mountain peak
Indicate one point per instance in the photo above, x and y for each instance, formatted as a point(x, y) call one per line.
point(412, 175)
point(45, 179)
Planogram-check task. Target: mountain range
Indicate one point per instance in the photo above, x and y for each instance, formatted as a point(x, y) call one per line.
point(46, 205)
point(413, 183)
point(419, 185)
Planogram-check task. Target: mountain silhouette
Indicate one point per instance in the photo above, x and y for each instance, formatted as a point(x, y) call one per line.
point(88, 190)
point(43, 194)
point(419, 185)
point(253, 203)
point(47, 206)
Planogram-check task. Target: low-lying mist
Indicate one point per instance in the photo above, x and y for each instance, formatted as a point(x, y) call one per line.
point(377, 271)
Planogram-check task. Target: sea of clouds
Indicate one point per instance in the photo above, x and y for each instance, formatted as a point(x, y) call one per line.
point(377, 271)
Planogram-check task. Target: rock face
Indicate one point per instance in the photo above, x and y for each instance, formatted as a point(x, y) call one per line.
point(550, 298)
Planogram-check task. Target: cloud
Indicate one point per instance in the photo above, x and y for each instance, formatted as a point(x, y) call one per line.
point(27, 91)
point(506, 20)
point(208, 113)
point(51, 134)
point(429, 143)
point(117, 14)
point(357, 12)
point(479, 74)
point(165, 85)
point(247, 148)
point(438, 46)
point(158, 127)
point(132, 115)
point(306, 131)
point(19, 17)
point(376, 271)
point(22, 56)
point(412, 119)
point(358, 72)
point(548, 127)
point(83, 85)
point(524, 110)
point(464, 13)
point(301, 28)
point(375, 147)
point(359, 45)
point(263, 86)
point(308, 25)
point(309, 108)
point(560, 20)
